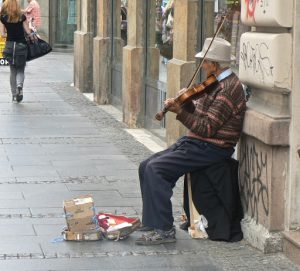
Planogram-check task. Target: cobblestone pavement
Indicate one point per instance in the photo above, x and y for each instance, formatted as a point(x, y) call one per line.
point(57, 145)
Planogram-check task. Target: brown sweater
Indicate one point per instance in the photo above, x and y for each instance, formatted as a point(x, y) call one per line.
point(218, 114)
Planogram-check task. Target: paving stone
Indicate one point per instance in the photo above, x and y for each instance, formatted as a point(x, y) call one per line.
point(16, 230)
point(52, 230)
point(10, 195)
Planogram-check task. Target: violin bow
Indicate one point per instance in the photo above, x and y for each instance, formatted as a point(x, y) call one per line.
point(201, 64)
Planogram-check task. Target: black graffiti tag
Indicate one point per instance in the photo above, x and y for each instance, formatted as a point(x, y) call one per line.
point(264, 4)
point(256, 58)
point(253, 167)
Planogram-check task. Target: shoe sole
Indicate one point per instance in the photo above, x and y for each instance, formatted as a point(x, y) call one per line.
point(158, 242)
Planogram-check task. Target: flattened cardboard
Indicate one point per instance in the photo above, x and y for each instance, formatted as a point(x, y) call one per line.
point(81, 224)
point(82, 236)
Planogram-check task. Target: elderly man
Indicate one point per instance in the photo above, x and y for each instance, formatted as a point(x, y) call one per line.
point(214, 120)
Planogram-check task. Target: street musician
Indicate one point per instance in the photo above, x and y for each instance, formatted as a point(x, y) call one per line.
point(214, 120)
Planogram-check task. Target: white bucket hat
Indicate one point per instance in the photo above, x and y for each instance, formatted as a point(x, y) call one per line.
point(219, 51)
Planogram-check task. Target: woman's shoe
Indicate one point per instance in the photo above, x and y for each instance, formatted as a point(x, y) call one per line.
point(19, 96)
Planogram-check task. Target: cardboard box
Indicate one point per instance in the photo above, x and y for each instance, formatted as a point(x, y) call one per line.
point(80, 214)
point(82, 224)
point(82, 236)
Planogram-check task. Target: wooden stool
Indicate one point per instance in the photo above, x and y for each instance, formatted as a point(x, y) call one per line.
point(194, 230)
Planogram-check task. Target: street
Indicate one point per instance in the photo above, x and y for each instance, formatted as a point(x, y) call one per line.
point(58, 144)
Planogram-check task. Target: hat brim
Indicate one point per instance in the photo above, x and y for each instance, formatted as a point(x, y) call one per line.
point(201, 55)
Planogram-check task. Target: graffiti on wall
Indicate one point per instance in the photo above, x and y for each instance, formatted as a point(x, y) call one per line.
point(251, 6)
point(254, 175)
point(256, 59)
point(264, 4)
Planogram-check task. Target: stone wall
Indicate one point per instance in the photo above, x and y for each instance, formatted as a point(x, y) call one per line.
point(266, 66)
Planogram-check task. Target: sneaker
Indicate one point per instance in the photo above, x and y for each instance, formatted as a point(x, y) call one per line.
point(157, 237)
point(19, 96)
point(14, 98)
point(144, 228)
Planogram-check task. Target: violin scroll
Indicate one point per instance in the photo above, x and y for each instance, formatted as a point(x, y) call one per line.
point(160, 115)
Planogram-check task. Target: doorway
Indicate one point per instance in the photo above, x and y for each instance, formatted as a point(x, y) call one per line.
point(63, 23)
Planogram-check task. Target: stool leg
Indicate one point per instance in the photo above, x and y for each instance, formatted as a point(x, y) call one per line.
point(194, 231)
point(193, 212)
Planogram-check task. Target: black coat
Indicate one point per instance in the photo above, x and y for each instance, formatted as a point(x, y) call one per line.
point(216, 195)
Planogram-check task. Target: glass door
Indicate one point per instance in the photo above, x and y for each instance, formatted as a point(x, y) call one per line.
point(119, 40)
point(160, 20)
point(63, 23)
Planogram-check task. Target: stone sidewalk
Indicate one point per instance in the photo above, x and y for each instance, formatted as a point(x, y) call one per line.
point(56, 145)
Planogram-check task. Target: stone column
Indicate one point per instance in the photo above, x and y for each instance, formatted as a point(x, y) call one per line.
point(182, 67)
point(102, 52)
point(265, 65)
point(291, 245)
point(134, 65)
point(294, 185)
point(83, 46)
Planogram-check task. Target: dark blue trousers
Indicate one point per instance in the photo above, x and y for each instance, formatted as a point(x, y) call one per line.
point(159, 173)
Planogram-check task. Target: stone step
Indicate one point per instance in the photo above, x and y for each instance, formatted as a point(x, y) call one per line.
point(291, 245)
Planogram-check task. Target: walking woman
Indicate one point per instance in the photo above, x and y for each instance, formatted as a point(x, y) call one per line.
point(14, 27)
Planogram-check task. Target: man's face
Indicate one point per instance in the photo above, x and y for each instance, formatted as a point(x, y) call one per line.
point(209, 67)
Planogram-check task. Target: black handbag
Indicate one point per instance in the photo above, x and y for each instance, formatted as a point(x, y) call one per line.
point(37, 49)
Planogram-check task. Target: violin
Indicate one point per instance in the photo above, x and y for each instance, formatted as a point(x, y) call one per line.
point(193, 91)
point(190, 94)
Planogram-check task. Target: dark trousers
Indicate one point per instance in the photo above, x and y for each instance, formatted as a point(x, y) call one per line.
point(159, 173)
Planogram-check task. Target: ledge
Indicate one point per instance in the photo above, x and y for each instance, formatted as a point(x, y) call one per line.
point(291, 245)
point(267, 129)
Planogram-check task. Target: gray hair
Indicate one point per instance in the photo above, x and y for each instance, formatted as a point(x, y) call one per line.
point(223, 65)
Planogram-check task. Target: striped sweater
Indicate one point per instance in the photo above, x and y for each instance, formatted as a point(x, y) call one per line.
point(218, 114)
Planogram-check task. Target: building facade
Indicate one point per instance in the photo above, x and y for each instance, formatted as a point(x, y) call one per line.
point(133, 54)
